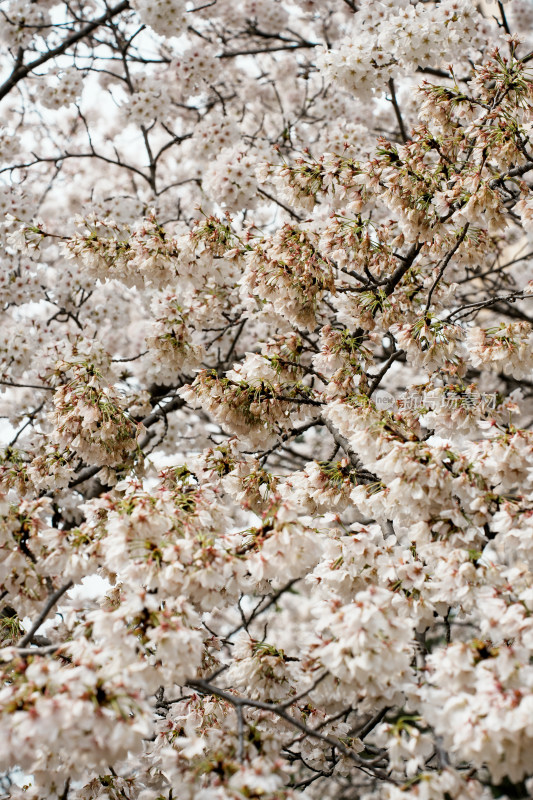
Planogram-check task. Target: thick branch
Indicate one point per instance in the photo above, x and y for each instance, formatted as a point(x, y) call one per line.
point(22, 70)
point(399, 272)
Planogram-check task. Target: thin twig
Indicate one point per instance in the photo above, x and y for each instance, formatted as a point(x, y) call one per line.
point(240, 733)
point(27, 386)
point(260, 610)
point(445, 264)
point(398, 113)
point(383, 371)
point(52, 600)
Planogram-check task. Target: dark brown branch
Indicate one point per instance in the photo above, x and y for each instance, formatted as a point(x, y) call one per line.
point(260, 609)
point(504, 22)
point(383, 371)
point(52, 600)
point(235, 700)
point(445, 263)
point(286, 208)
point(405, 266)
point(27, 386)
point(21, 70)
point(398, 113)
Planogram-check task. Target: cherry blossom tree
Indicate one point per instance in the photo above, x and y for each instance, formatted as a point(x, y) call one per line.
point(266, 373)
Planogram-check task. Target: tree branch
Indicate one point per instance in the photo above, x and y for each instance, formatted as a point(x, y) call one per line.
point(52, 600)
point(22, 70)
point(279, 711)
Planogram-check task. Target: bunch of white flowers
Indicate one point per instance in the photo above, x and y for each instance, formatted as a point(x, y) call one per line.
point(165, 17)
point(90, 417)
point(67, 89)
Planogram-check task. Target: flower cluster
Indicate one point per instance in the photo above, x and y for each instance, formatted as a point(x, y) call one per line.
point(67, 89)
point(90, 417)
point(384, 44)
point(165, 17)
point(289, 273)
point(230, 178)
point(170, 341)
point(506, 347)
point(256, 409)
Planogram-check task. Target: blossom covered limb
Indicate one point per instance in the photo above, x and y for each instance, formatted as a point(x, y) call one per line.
point(265, 388)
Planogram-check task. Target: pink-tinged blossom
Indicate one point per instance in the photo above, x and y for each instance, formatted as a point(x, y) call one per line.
point(266, 469)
